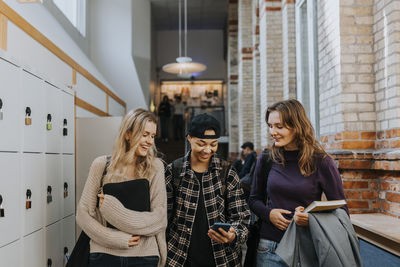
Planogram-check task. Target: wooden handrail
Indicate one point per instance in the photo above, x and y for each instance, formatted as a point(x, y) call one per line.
point(43, 40)
point(85, 105)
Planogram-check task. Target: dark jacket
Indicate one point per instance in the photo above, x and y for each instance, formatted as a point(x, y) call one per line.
point(229, 206)
point(164, 109)
point(329, 240)
point(248, 162)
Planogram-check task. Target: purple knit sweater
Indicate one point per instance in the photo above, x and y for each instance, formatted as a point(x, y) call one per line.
point(287, 189)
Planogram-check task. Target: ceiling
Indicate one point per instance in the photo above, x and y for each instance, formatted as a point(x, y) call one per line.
point(201, 14)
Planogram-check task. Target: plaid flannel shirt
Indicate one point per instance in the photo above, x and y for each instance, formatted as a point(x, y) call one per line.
point(230, 207)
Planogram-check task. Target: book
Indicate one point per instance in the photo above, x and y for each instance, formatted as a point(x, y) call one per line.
point(325, 205)
point(133, 194)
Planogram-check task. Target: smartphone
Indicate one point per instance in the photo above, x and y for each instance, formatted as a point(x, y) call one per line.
point(224, 226)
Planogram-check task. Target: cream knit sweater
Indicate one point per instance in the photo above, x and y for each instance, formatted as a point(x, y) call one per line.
point(149, 225)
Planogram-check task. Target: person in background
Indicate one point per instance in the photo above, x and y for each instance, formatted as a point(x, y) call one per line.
point(178, 118)
point(139, 237)
point(238, 164)
point(201, 191)
point(301, 171)
point(250, 158)
point(164, 113)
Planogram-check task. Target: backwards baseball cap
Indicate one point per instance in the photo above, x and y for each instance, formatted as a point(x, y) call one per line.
point(248, 144)
point(201, 123)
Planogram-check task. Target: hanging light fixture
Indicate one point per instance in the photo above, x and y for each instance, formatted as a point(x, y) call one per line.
point(184, 66)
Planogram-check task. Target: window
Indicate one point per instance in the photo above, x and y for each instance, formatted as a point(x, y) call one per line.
point(75, 11)
point(307, 59)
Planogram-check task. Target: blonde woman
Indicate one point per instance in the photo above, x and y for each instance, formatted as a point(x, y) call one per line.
point(138, 238)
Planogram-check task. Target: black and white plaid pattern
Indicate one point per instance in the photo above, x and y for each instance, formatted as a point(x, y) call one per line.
point(230, 207)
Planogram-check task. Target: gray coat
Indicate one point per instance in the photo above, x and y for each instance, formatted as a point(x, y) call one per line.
point(329, 241)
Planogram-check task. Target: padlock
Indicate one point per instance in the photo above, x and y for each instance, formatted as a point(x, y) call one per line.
point(1, 207)
point(49, 262)
point(65, 190)
point(65, 129)
point(66, 254)
point(49, 196)
point(28, 119)
point(49, 124)
point(28, 204)
point(1, 109)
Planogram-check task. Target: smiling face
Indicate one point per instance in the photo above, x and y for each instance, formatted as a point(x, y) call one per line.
point(203, 149)
point(282, 135)
point(146, 141)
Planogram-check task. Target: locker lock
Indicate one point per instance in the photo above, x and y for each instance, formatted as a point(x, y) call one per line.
point(65, 129)
point(66, 254)
point(48, 124)
point(65, 189)
point(49, 262)
point(1, 207)
point(1, 109)
point(28, 204)
point(28, 119)
point(49, 196)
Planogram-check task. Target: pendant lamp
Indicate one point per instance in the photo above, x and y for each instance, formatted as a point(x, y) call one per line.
point(184, 66)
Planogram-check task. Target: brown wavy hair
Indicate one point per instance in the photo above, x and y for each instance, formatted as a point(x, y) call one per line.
point(124, 150)
point(293, 116)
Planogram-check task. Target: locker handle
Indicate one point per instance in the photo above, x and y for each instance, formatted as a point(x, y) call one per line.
point(1, 207)
point(49, 189)
point(65, 122)
point(49, 262)
point(1, 103)
point(1, 200)
point(28, 111)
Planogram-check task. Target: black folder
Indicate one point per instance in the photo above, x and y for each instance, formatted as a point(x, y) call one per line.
point(133, 194)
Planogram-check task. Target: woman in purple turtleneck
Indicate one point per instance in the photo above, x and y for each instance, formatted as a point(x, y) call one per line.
point(301, 171)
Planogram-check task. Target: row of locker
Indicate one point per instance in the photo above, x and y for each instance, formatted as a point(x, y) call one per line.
point(35, 116)
point(36, 190)
point(49, 246)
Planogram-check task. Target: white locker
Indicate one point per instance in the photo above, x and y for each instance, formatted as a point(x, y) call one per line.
point(10, 181)
point(52, 189)
point(10, 255)
point(33, 250)
point(68, 185)
point(32, 89)
point(54, 253)
point(32, 184)
point(10, 121)
point(53, 118)
point(68, 238)
point(68, 123)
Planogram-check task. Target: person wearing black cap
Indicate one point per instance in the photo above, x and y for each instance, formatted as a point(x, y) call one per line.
point(250, 158)
point(202, 190)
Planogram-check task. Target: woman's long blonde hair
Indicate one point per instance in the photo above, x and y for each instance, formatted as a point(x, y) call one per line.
point(124, 150)
point(293, 116)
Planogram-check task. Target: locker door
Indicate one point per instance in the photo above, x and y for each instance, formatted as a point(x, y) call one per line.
point(33, 251)
point(33, 98)
point(52, 189)
point(32, 180)
point(54, 252)
point(53, 119)
point(68, 239)
point(10, 254)
point(10, 179)
point(10, 126)
point(68, 118)
point(68, 185)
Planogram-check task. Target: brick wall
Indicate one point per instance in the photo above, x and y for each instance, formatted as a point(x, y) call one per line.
point(289, 49)
point(271, 60)
point(245, 68)
point(256, 75)
point(233, 76)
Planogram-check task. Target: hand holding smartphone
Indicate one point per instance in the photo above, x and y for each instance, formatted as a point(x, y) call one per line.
point(224, 226)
